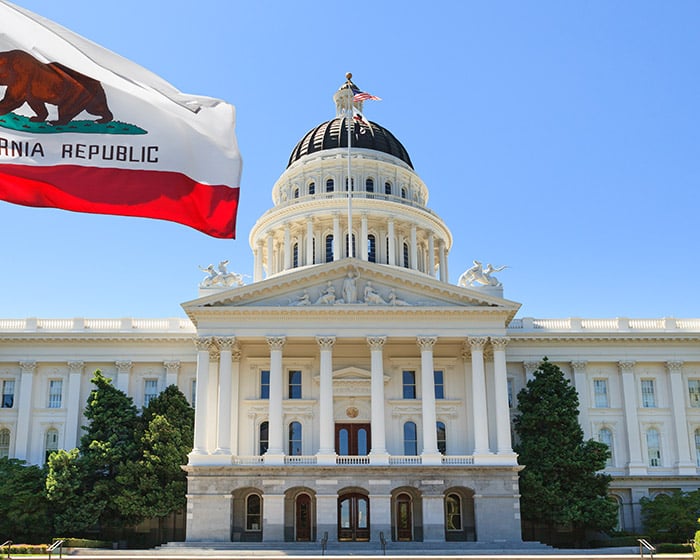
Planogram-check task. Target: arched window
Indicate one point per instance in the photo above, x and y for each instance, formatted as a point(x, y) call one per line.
point(371, 248)
point(441, 437)
point(605, 436)
point(253, 513)
point(369, 184)
point(330, 185)
point(51, 443)
point(387, 188)
point(329, 248)
point(264, 437)
point(296, 192)
point(453, 512)
point(406, 262)
point(294, 438)
point(313, 250)
point(697, 447)
point(4, 443)
point(404, 193)
point(295, 255)
point(410, 439)
point(312, 188)
point(653, 447)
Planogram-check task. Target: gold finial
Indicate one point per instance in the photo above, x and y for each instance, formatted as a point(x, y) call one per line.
point(349, 76)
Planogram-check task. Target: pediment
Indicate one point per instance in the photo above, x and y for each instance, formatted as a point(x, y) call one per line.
point(351, 285)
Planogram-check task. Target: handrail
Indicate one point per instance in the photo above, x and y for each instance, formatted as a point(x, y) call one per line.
point(382, 540)
point(324, 543)
point(7, 544)
point(643, 543)
point(56, 545)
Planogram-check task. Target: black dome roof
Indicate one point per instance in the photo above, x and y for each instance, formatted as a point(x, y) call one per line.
point(333, 134)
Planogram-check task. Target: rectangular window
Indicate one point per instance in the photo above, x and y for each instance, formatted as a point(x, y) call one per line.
point(653, 448)
point(694, 392)
point(265, 384)
point(510, 393)
point(294, 384)
point(600, 391)
point(439, 384)
point(409, 384)
point(193, 392)
point(8, 393)
point(55, 393)
point(648, 395)
point(150, 390)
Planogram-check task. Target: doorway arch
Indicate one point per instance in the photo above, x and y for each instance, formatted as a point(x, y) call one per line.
point(353, 517)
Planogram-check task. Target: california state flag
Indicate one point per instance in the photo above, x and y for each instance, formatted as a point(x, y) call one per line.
point(84, 129)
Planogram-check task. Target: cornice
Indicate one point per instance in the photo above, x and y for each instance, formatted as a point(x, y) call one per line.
point(566, 338)
point(63, 338)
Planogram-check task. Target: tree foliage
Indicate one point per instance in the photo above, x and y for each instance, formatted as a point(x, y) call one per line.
point(560, 485)
point(671, 518)
point(24, 514)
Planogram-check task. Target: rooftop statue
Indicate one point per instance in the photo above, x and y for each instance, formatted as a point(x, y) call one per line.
point(221, 277)
point(479, 276)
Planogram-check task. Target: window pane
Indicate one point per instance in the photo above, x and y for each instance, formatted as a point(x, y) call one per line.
point(55, 393)
point(4, 443)
point(600, 389)
point(362, 447)
point(441, 438)
point(344, 442)
point(697, 447)
point(330, 185)
point(410, 440)
point(605, 436)
point(362, 513)
point(150, 390)
point(439, 384)
point(453, 513)
point(653, 448)
point(312, 188)
point(295, 384)
point(265, 384)
point(253, 513)
point(371, 248)
point(409, 384)
point(264, 437)
point(8, 393)
point(294, 438)
point(510, 393)
point(648, 396)
point(694, 392)
point(329, 248)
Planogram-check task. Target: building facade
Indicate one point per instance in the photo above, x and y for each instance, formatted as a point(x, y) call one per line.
point(350, 390)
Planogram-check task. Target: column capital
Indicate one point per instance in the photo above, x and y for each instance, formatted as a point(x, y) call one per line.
point(171, 366)
point(376, 342)
point(579, 366)
point(626, 366)
point(426, 342)
point(531, 365)
point(276, 342)
point(325, 342)
point(28, 366)
point(674, 366)
point(123, 366)
point(499, 342)
point(477, 343)
point(236, 353)
point(76, 366)
point(203, 343)
point(225, 342)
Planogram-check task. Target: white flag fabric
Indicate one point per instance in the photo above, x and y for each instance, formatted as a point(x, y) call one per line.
point(84, 129)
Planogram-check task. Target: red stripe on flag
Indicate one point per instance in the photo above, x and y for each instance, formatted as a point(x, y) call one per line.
point(163, 195)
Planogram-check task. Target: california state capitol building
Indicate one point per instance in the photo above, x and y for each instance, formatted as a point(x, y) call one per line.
point(350, 389)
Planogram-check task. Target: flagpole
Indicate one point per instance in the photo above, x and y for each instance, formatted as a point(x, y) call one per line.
point(351, 249)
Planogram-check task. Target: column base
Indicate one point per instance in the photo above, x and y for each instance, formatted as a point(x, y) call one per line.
point(326, 458)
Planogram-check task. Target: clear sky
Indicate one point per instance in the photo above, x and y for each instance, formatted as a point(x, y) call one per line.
point(559, 138)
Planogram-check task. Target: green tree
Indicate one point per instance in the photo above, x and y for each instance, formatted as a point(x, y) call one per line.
point(155, 485)
point(24, 512)
point(560, 485)
point(671, 518)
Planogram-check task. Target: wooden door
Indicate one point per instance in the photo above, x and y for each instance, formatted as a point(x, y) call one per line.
point(303, 518)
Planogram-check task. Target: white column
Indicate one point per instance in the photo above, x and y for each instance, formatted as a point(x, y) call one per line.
point(271, 269)
point(24, 409)
point(200, 409)
point(581, 384)
point(172, 368)
point(235, 393)
point(443, 261)
point(326, 451)
point(636, 464)
point(431, 254)
point(363, 236)
point(287, 247)
point(123, 371)
point(336, 237)
point(275, 450)
point(414, 248)
point(309, 240)
point(479, 419)
point(391, 242)
point(430, 454)
point(258, 271)
point(503, 442)
point(223, 440)
point(75, 373)
point(685, 463)
point(213, 397)
point(530, 367)
point(378, 455)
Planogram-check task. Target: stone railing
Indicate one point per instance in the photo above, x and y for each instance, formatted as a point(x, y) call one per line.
point(80, 324)
point(619, 324)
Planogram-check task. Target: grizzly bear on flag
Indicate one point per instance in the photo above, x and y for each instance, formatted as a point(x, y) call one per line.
point(30, 80)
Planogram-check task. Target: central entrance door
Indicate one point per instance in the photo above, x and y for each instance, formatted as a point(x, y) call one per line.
point(352, 439)
point(353, 517)
point(303, 518)
point(404, 518)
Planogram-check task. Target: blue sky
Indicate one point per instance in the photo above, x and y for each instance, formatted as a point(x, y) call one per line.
point(559, 138)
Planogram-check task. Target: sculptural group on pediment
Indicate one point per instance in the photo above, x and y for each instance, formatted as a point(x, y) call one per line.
point(479, 275)
point(221, 277)
point(349, 294)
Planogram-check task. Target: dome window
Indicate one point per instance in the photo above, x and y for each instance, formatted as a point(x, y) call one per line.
point(296, 192)
point(329, 248)
point(352, 183)
point(312, 188)
point(330, 185)
point(387, 188)
point(371, 248)
point(403, 192)
point(369, 185)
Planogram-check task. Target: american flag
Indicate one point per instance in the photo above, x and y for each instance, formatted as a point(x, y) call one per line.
point(360, 95)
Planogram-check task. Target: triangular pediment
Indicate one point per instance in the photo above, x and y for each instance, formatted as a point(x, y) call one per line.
point(351, 285)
